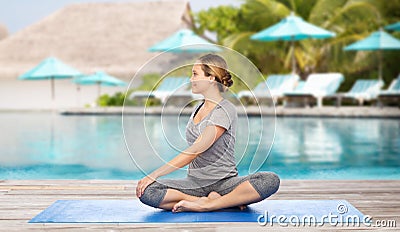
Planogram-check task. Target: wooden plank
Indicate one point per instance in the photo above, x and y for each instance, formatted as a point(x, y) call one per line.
point(60, 187)
point(23, 199)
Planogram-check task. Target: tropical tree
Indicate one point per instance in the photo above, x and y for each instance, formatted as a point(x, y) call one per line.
point(218, 19)
point(351, 20)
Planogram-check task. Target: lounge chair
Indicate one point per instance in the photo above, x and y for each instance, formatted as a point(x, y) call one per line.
point(391, 95)
point(299, 86)
point(183, 98)
point(277, 85)
point(362, 90)
point(168, 87)
point(317, 87)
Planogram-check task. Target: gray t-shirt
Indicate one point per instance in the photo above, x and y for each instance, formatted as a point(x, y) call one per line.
point(218, 161)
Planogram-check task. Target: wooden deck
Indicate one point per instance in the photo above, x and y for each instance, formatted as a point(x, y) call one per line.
point(23, 199)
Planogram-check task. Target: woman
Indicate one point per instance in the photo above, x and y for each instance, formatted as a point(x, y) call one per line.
point(212, 181)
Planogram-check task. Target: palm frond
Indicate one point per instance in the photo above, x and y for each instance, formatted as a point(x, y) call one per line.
point(354, 11)
point(232, 40)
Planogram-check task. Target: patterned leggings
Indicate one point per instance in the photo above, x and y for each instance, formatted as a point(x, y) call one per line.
point(265, 183)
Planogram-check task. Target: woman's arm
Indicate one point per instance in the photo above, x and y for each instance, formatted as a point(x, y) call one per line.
point(206, 139)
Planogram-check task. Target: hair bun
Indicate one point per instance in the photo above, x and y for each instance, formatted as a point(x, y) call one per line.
point(227, 80)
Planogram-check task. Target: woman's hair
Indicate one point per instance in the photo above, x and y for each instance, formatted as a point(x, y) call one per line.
point(214, 65)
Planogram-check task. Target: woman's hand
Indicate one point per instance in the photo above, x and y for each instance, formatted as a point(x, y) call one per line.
point(142, 185)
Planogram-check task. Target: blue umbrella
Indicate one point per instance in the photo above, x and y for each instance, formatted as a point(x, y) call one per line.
point(101, 79)
point(184, 41)
point(292, 28)
point(50, 68)
point(378, 40)
point(393, 27)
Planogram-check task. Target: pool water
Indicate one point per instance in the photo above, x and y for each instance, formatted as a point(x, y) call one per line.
point(39, 145)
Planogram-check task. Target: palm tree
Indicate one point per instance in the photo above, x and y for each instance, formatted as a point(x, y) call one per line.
point(351, 20)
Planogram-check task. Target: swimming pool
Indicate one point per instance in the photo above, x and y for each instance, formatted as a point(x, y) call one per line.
point(40, 145)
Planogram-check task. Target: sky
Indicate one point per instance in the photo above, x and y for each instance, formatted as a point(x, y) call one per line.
point(18, 14)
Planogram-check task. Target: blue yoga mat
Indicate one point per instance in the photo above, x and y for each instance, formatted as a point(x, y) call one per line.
point(133, 211)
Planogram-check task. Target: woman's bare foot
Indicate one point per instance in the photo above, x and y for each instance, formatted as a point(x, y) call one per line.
point(201, 200)
point(211, 196)
point(194, 206)
point(199, 205)
point(215, 195)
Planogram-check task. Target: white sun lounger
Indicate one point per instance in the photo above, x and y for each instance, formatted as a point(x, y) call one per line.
point(392, 94)
point(364, 90)
point(273, 88)
point(317, 86)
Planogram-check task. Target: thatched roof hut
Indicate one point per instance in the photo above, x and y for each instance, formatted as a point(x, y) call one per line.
point(3, 32)
point(113, 37)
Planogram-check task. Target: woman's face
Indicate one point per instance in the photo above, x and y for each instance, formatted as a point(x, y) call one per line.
point(199, 81)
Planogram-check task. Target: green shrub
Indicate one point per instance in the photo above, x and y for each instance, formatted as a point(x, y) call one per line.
point(148, 83)
point(103, 100)
point(115, 100)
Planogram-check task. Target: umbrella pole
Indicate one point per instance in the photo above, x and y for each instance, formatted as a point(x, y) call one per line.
point(52, 152)
point(52, 88)
point(293, 58)
point(52, 92)
point(78, 95)
point(98, 92)
point(380, 64)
